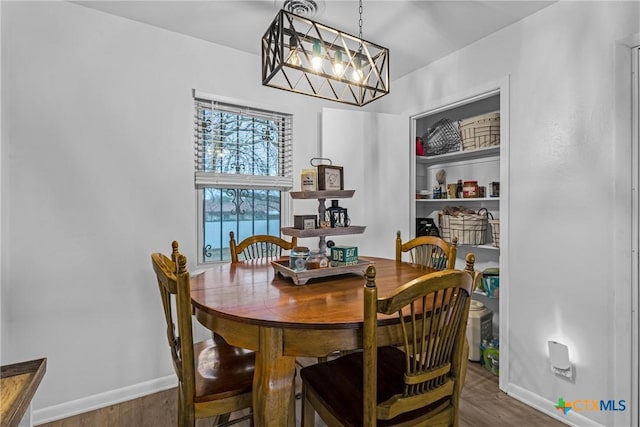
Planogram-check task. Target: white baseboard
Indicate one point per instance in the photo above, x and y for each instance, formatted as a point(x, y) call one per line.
point(102, 400)
point(545, 406)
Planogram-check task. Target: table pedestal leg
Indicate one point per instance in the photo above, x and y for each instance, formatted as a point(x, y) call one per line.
point(272, 381)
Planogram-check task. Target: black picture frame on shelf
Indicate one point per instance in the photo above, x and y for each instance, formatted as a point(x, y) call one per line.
point(330, 177)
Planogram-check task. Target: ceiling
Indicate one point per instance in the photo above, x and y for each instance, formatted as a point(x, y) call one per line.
point(415, 32)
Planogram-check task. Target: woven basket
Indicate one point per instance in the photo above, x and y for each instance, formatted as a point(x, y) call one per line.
point(469, 229)
point(495, 231)
point(443, 137)
point(480, 131)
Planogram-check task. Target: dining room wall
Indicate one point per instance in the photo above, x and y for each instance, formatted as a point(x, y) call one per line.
point(97, 127)
point(569, 244)
point(97, 174)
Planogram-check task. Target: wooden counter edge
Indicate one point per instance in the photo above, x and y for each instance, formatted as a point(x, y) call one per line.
point(12, 415)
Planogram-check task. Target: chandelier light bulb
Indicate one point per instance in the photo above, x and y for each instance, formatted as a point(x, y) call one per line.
point(357, 75)
point(294, 58)
point(294, 54)
point(316, 58)
point(338, 65)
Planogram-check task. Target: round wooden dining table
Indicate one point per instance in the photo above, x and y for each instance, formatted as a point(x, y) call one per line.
point(252, 306)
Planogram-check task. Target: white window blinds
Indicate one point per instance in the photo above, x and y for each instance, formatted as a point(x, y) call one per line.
point(241, 147)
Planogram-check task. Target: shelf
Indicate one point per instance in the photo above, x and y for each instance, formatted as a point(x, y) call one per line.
point(330, 194)
point(460, 155)
point(485, 165)
point(453, 201)
point(484, 294)
point(321, 197)
point(489, 247)
point(319, 232)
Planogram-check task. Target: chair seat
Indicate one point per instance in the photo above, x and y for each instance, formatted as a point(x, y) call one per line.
point(222, 370)
point(339, 383)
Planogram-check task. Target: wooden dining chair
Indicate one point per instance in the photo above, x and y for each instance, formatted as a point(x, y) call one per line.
point(259, 246)
point(387, 386)
point(214, 378)
point(430, 251)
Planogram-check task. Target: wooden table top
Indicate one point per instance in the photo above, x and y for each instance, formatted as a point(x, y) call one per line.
point(252, 292)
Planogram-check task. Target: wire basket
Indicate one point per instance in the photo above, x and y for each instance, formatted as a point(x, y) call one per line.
point(495, 231)
point(480, 131)
point(470, 229)
point(444, 137)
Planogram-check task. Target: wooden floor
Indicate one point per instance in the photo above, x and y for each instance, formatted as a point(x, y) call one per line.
point(482, 405)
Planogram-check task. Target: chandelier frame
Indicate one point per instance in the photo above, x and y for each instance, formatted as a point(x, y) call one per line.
point(292, 43)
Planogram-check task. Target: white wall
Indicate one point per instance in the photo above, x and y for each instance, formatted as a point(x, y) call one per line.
point(373, 148)
point(569, 163)
point(97, 127)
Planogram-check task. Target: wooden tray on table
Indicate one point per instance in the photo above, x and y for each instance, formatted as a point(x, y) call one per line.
point(302, 277)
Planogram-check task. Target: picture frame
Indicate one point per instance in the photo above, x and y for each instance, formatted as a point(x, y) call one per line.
point(305, 222)
point(330, 178)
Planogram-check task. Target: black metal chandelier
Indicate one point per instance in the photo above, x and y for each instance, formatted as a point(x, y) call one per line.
point(304, 56)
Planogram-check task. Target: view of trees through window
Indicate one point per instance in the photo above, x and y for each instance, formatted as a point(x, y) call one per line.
point(244, 146)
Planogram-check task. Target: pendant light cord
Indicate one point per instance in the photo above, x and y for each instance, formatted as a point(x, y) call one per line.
point(360, 21)
point(360, 27)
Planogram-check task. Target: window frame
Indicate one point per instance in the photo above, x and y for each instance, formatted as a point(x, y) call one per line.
point(244, 181)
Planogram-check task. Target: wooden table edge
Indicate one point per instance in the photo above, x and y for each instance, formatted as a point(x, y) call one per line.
point(12, 415)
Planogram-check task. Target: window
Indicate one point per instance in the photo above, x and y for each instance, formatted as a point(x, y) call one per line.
point(243, 164)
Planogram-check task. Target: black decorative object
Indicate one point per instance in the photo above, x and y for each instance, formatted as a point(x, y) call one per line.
point(337, 215)
point(426, 227)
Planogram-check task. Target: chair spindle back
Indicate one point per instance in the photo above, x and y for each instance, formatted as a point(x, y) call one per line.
point(430, 251)
point(259, 246)
point(433, 311)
